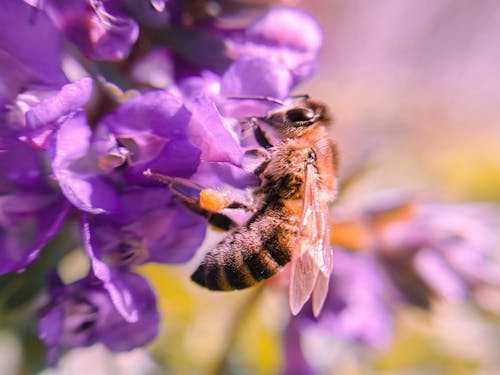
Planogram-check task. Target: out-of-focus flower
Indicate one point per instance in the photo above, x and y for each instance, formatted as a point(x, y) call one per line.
point(427, 250)
point(402, 253)
point(286, 36)
point(295, 362)
point(30, 50)
point(32, 210)
point(87, 312)
point(99, 28)
point(357, 305)
point(447, 248)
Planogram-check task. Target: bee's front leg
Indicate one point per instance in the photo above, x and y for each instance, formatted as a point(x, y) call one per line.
point(256, 160)
point(259, 134)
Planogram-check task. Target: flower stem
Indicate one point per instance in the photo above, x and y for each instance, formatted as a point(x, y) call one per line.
point(221, 365)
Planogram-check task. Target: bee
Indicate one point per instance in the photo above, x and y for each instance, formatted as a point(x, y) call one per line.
point(290, 220)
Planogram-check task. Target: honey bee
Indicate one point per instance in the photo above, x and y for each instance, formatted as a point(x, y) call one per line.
point(290, 222)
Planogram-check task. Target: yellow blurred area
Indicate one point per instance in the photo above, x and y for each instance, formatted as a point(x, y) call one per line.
point(197, 325)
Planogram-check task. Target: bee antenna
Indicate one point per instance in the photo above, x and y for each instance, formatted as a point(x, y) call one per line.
point(257, 97)
point(300, 96)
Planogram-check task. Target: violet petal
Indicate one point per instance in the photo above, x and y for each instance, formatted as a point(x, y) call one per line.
point(77, 172)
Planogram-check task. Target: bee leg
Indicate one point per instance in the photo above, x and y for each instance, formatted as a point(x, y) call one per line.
point(256, 159)
point(300, 97)
point(186, 190)
point(189, 194)
point(260, 135)
point(262, 167)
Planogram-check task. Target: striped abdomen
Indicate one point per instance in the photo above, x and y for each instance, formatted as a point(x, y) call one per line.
point(251, 253)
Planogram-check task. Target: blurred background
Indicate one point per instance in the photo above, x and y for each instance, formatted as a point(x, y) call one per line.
point(414, 87)
point(418, 82)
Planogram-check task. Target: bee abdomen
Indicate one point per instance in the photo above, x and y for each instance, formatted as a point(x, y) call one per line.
point(248, 255)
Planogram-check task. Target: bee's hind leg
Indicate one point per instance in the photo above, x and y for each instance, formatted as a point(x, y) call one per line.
point(201, 200)
point(184, 189)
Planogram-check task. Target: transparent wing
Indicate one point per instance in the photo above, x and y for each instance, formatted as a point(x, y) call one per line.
point(324, 260)
point(311, 262)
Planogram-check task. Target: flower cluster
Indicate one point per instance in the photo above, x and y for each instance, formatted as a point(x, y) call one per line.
point(94, 93)
point(75, 146)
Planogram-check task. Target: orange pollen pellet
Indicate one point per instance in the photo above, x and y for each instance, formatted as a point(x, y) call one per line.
point(212, 200)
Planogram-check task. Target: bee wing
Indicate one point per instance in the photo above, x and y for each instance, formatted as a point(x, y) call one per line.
point(325, 263)
point(312, 261)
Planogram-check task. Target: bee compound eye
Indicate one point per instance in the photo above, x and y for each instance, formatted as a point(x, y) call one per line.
point(299, 115)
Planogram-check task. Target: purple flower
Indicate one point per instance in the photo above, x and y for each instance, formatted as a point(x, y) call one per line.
point(32, 210)
point(30, 50)
point(99, 28)
point(154, 128)
point(213, 133)
point(76, 168)
point(446, 250)
point(356, 310)
point(52, 156)
point(90, 311)
point(295, 361)
point(149, 131)
point(286, 36)
point(357, 305)
point(256, 76)
point(37, 114)
point(245, 77)
point(151, 226)
point(430, 250)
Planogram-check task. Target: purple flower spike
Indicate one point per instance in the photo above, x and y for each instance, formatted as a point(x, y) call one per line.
point(99, 28)
point(84, 313)
point(32, 212)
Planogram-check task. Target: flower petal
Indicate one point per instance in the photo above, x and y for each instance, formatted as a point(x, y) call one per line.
point(30, 37)
point(99, 28)
point(208, 131)
point(76, 169)
point(31, 211)
point(84, 313)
